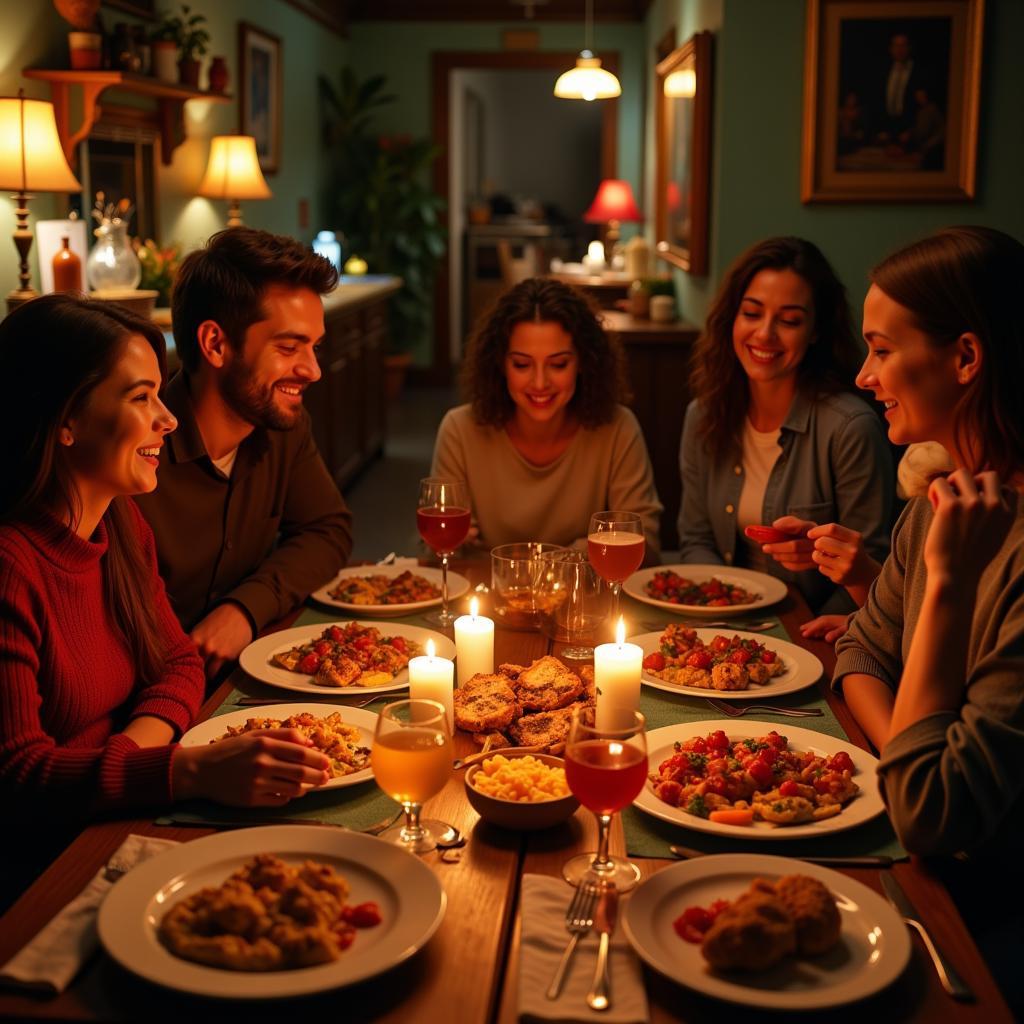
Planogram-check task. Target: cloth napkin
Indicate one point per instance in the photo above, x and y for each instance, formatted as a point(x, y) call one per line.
point(49, 962)
point(544, 901)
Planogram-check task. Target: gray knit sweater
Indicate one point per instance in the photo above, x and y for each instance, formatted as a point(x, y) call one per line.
point(953, 781)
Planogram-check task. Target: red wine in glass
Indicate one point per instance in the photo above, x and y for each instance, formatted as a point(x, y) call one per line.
point(615, 554)
point(443, 529)
point(605, 775)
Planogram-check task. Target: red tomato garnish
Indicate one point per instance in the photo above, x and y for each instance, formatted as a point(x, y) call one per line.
point(841, 762)
point(362, 915)
point(721, 643)
point(309, 664)
point(699, 659)
point(789, 788)
point(655, 661)
point(768, 657)
point(399, 644)
point(761, 773)
point(740, 657)
point(718, 740)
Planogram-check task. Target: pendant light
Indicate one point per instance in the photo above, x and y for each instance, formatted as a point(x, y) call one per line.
point(587, 80)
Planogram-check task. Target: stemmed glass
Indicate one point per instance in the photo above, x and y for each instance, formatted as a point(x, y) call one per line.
point(442, 517)
point(412, 760)
point(606, 768)
point(615, 546)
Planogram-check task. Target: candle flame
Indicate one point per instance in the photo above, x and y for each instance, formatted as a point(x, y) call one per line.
point(431, 649)
point(620, 631)
point(474, 607)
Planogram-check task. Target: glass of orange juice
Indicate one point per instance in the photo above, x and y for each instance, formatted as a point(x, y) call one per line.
point(412, 760)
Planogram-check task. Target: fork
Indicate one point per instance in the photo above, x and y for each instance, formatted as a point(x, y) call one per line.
point(259, 702)
point(748, 627)
point(738, 712)
point(579, 919)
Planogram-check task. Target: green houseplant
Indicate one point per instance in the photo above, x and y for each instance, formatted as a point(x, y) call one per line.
point(191, 37)
point(378, 196)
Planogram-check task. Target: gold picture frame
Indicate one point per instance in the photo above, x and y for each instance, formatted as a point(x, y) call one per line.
point(891, 99)
point(683, 154)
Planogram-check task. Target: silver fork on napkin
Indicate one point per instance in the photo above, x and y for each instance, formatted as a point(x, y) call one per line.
point(579, 919)
point(738, 712)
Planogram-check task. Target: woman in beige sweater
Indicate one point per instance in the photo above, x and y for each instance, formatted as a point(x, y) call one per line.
point(544, 441)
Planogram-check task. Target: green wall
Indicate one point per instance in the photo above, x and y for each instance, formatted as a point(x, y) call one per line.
point(34, 36)
point(759, 55)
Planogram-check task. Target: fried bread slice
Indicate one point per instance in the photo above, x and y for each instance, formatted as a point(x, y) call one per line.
point(546, 728)
point(547, 685)
point(485, 703)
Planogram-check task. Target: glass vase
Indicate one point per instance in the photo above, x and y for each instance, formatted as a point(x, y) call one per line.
point(112, 263)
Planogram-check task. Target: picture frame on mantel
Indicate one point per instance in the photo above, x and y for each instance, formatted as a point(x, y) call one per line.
point(892, 90)
point(683, 155)
point(259, 93)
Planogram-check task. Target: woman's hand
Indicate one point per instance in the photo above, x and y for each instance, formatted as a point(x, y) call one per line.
point(839, 554)
point(825, 627)
point(973, 515)
point(796, 554)
point(259, 769)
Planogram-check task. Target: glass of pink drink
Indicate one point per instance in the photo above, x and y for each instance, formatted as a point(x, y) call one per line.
point(443, 519)
point(606, 768)
point(615, 546)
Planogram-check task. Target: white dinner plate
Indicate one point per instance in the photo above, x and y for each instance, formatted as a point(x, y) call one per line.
point(255, 659)
point(365, 721)
point(867, 804)
point(457, 586)
point(872, 951)
point(768, 589)
point(410, 897)
point(803, 669)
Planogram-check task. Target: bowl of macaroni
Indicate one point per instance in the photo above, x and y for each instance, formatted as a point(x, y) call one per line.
point(520, 791)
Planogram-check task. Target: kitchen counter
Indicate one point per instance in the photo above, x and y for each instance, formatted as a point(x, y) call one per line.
point(356, 291)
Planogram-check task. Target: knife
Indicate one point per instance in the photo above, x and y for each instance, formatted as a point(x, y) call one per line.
point(600, 995)
point(951, 981)
point(868, 861)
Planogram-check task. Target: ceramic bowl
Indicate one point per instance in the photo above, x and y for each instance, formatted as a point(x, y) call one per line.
point(520, 817)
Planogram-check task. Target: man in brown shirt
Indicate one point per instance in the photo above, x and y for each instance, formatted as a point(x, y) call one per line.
point(248, 521)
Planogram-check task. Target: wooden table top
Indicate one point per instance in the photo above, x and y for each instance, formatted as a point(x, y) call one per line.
point(468, 971)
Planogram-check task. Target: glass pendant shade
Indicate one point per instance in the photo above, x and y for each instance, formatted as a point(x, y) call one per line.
point(587, 80)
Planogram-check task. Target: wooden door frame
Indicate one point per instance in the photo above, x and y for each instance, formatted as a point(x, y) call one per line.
point(442, 64)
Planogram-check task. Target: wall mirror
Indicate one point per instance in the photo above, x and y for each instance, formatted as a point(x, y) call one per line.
point(683, 179)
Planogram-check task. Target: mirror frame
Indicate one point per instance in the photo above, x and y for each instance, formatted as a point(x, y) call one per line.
point(689, 254)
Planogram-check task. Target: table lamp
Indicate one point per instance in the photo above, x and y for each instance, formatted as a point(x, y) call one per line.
point(233, 173)
point(31, 160)
point(613, 204)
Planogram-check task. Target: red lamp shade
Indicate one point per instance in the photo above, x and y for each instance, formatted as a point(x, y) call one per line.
point(614, 201)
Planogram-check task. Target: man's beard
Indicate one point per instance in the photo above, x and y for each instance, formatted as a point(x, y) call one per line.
point(253, 403)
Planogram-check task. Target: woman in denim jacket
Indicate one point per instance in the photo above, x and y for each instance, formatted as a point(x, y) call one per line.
point(776, 435)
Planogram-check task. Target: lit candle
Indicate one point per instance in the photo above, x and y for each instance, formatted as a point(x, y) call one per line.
point(594, 260)
point(430, 678)
point(617, 678)
point(474, 643)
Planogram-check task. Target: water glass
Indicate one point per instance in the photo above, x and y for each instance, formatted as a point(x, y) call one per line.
point(574, 602)
point(516, 571)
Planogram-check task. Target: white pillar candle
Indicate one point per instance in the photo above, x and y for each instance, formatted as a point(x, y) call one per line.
point(430, 678)
point(617, 678)
point(474, 643)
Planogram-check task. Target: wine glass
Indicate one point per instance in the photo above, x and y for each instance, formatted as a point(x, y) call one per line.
point(442, 517)
point(615, 546)
point(606, 767)
point(412, 760)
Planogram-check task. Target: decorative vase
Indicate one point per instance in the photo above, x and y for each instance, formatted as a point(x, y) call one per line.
point(218, 74)
point(86, 50)
point(188, 70)
point(112, 263)
point(67, 269)
point(164, 55)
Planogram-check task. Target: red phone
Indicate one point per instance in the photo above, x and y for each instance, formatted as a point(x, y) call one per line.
point(766, 534)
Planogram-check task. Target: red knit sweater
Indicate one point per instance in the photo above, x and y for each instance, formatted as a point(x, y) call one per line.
point(67, 683)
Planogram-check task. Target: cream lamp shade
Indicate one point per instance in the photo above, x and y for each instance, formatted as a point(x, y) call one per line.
point(681, 84)
point(31, 160)
point(587, 80)
point(233, 173)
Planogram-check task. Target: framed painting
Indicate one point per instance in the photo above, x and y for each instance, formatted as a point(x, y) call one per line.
point(891, 97)
point(683, 154)
point(259, 93)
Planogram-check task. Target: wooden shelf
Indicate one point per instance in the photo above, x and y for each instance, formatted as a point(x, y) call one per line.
point(171, 99)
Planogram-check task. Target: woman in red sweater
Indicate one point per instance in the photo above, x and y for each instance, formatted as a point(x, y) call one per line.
point(96, 676)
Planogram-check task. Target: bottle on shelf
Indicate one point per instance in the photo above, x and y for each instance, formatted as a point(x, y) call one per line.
point(67, 269)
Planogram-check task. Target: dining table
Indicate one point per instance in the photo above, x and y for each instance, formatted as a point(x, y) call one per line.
point(468, 972)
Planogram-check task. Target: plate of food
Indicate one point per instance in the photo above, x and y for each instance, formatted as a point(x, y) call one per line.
point(340, 655)
point(388, 590)
point(749, 781)
point(212, 917)
point(724, 664)
point(765, 931)
point(344, 734)
point(712, 590)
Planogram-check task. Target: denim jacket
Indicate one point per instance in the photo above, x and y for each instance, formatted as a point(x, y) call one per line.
point(835, 466)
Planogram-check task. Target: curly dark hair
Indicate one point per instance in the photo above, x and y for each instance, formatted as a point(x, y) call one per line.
point(717, 378)
point(601, 381)
point(964, 280)
point(224, 281)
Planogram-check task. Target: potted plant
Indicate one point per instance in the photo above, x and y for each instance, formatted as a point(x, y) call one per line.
point(377, 194)
point(164, 49)
point(188, 33)
point(85, 45)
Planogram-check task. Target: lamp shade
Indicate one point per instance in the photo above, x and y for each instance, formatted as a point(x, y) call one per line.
point(233, 171)
point(681, 84)
point(614, 201)
point(587, 80)
point(31, 157)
